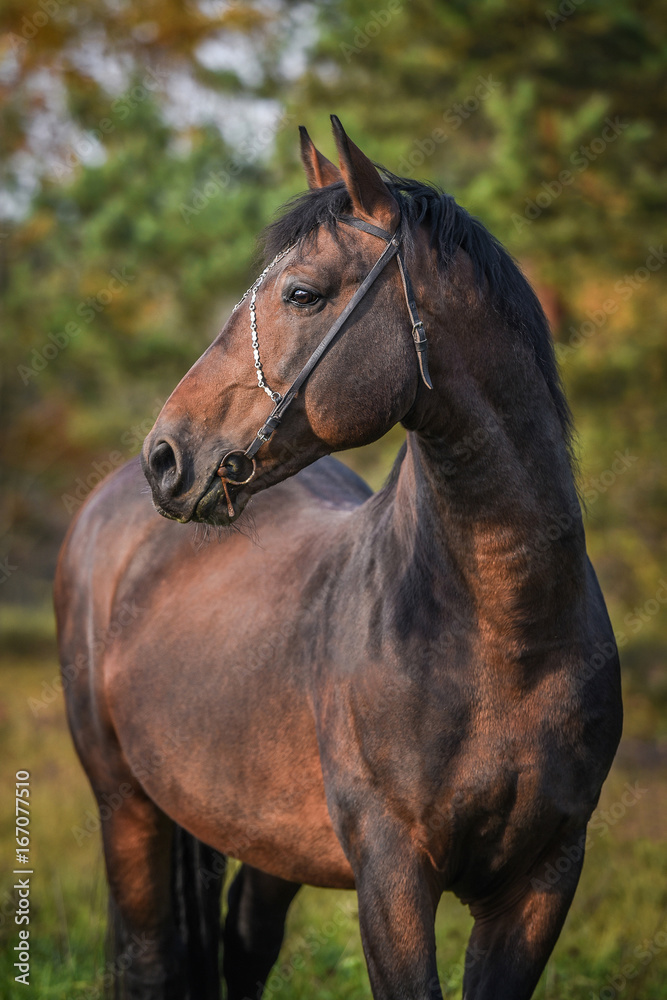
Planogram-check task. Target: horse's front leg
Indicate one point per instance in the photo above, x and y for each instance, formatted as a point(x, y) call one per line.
point(398, 897)
point(514, 934)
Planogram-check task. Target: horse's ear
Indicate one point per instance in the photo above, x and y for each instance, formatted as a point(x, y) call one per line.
point(371, 198)
point(319, 170)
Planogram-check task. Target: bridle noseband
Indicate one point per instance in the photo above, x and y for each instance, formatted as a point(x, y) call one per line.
point(281, 403)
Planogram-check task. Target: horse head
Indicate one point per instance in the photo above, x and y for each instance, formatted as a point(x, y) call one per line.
point(204, 457)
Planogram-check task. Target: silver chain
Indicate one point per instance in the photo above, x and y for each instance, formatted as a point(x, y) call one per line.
point(252, 292)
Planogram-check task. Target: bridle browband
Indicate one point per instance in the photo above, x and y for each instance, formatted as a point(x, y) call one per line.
point(282, 403)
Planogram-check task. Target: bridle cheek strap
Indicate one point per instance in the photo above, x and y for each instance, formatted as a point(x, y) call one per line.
point(418, 332)
point(393, 249)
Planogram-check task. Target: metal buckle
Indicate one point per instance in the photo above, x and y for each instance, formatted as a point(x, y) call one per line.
point(417, 336)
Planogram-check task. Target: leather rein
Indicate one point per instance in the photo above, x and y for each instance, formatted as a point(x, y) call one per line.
point(282, 403)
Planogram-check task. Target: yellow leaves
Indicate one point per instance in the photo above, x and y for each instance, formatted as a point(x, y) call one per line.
point(34, 230)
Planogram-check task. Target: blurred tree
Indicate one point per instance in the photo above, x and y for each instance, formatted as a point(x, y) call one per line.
point(129, 218)
point(147, 144)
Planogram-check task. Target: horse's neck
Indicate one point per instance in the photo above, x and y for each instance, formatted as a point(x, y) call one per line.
point(486, 499)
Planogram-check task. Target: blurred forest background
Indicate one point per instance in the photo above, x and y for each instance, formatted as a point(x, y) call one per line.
point(145, 145)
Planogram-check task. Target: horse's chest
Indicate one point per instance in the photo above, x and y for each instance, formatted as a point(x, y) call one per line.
point(467, 774)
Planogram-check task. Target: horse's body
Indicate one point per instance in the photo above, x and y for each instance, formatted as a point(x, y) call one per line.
point(404, 693)
point(259, 744)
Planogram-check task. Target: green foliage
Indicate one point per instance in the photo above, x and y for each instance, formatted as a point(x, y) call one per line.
point(547, 122)
point(116, 283)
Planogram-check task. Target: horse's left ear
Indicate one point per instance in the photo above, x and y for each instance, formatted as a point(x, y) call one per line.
point(371, 198)
point(319, 171)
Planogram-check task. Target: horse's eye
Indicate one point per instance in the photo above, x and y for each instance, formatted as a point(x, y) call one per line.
point(303, 297)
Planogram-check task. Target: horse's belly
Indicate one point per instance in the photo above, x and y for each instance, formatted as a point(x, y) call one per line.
point(286, 832)
point(233, 758)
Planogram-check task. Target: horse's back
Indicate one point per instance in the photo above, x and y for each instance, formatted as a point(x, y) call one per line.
point(121, 561)
point(118, 523)
point(120, 555)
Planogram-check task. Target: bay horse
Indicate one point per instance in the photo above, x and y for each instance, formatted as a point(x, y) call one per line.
point(404, 692)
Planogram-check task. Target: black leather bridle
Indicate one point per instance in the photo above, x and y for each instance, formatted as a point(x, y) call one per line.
point(230, 466)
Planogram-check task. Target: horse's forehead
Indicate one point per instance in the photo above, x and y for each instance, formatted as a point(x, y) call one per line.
point(335, 250)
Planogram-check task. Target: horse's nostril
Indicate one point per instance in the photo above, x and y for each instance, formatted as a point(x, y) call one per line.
point(163, 462)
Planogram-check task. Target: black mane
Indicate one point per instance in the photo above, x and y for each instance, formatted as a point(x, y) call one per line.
point(451, 227)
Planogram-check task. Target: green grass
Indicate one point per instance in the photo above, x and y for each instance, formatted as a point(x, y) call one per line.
point(621, 903)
